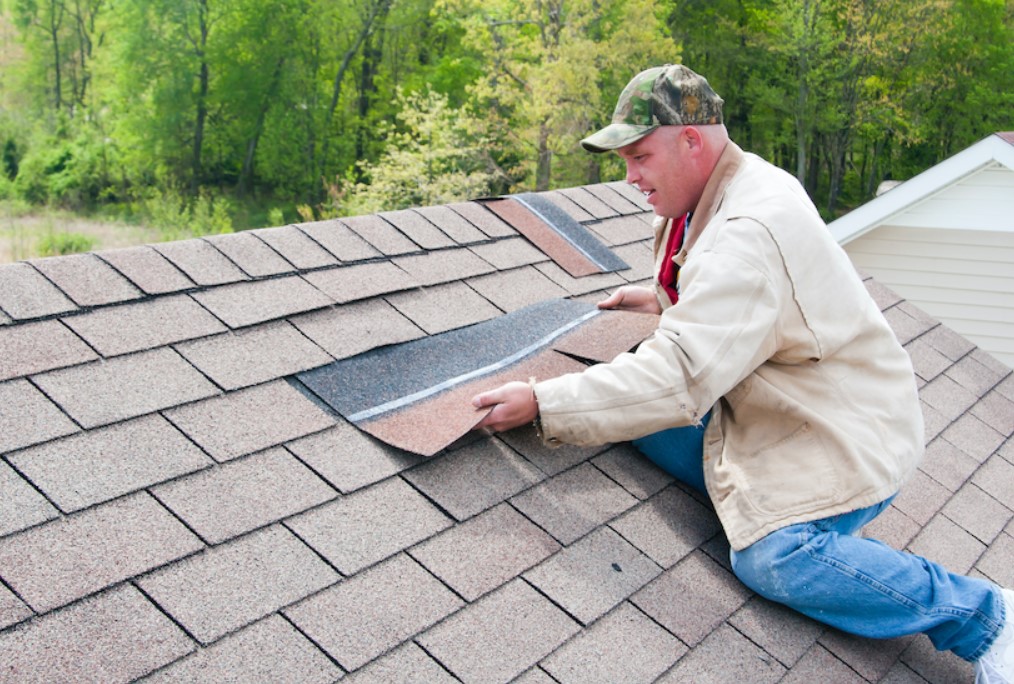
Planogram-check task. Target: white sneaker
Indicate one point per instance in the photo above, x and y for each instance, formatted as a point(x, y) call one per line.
point(996, 666)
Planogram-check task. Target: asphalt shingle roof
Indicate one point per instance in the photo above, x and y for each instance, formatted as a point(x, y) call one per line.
point(174, 507)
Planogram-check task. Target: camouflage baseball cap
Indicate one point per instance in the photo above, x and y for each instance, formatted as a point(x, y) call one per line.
point(670, 95)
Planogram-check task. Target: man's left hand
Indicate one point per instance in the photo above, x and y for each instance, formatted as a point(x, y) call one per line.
point(513, 405)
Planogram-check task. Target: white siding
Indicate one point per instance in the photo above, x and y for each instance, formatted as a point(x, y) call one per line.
point(982, 201)
point(963, 277)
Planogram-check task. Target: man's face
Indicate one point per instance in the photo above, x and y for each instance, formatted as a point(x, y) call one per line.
point(658, 164)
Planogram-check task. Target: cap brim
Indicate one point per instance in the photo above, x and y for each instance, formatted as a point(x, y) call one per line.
point(615, 136)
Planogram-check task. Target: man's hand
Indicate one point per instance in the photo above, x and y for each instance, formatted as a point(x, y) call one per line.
point(513, 405)
point(632, 298)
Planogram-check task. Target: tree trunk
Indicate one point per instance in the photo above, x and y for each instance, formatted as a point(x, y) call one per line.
point(251, 149)
point(202, 97)
point(56, 10)
point(542, 167)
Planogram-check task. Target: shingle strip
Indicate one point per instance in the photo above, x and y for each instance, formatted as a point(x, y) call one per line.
point(87, 280)
point(418, 229)
point(375, 324)
point(454, 225)
point(360, 281)
point(64, 560)
point(244, 304)
point(27, 417)
point(544, 236)
point(483, 219)
point(295, 246)
point(381, 234)
point(339, 240)
point(25, 293)
point(147, 269)
point(36, 347)
point(20, 506)
point(444, 307)
point(204, 264)
point(251, 254)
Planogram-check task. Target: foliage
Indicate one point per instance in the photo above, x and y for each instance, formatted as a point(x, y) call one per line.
point(56, 244)
point(177, 216)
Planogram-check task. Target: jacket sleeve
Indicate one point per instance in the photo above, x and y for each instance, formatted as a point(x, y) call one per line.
point(720, 331)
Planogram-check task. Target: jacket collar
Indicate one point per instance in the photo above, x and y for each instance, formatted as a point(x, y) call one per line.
point(714, 191)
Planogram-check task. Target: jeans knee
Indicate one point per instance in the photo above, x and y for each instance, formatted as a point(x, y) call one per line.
point(765, 568)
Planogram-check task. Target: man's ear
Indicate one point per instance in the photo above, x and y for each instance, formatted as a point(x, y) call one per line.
point(694, 139)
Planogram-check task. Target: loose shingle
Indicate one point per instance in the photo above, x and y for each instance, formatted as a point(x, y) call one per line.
point(249, 420)
point(337, 238)
point(235, 584)
point(244, 304)
point(444, 307)
point(360, 281)
point(370, 525)
point(268, 651)
point(145, 325)
point(248, 357)
point(668, 526)
point(456, 227)
point(381, 234)
point(251, 254)
point(147, 269)
point(202, 263)
point(359, 619)
point(574, 503)
point(350, 459)
point(87, 280)
point(37, 347)
point(442, 266)
point(27, 417)
point(418, 229)
point(115, 637)
point(296, 247)
point(594, 575)
point(64, 560)
point(357, 327)
point(692, 598)
point(102, 464)
point(25, 293)
point(624, 646)
point(513, 628)
point(104, 392)
point(476, 477)
point(243, 495)
point(485, 552)
point(20, 506)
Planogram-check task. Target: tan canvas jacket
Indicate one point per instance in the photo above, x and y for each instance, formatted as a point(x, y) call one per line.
point(815, 404)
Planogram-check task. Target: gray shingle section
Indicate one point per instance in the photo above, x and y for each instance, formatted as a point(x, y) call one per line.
point(921, 498)
point(510, 253)
point(124, 387)
point(973, 437)
point(979, 513)
point(820, 665)
point(998, 562)
point(28, 417)
point(583, 285)
point(360, 281)
point(102, 464)
point(592, 576)
point(975, 376)
point(632, 471)
point(370, 525)
point(780, 631)
point(692, 598)
point(12, 609)
point(443, 266)
point(248, 357)
point(513, 290)
point(485, 552)
point(349, 459)
point(248, 303)
point(454, 225)
point(870, 659)
point(87, 280)
point(244, 494)
point(905, 326)
point(613, 199)
point(568, 205)
point(115, 637)
point(249, 420)
point(947, 342)
point(38, 347)
point(201, 262)
point(64, 560)
point(624, 646)
point(407, 663)
point(21, 505)
point(550, 461)
point(944, 542)
point(483, 219)
point(996, 478)
point(417, 228)
point(947, 464)
point(589, 202)
point(25, 293)
point(359, 619)
point(513, 628)
point(444, 307)
point(145, 325)
point(251, 254)
point(668, 526)
point(147, 269)
point(476, 477)
point(232, 585)
point(268, 651)
point(387, 239)
point(574, 503)
point(640, 259)
point(339, 240)
point(623, 230)
point(296, 247)
point(996, 411)
point(927, 362)
point(726, 656)
point(376, 323)
point(947, 397)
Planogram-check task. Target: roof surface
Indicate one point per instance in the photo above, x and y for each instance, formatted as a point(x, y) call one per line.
point(175, 506)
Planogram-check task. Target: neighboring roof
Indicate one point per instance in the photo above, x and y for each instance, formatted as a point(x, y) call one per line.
point(995, 152)
point(175, 504)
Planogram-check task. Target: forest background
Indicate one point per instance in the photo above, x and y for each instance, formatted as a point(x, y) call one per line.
point(187, 117)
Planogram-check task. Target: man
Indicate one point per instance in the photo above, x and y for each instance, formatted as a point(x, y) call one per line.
point(773, 383)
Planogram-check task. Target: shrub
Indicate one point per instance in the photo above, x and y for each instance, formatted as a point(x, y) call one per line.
point(56, 244)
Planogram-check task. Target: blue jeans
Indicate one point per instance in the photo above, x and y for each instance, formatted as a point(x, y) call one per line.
point(854, 584)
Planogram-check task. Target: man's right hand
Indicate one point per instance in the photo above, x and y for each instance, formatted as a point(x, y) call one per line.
point(632, 298)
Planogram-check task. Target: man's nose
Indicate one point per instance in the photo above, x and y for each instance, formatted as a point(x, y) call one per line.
point(632, 176)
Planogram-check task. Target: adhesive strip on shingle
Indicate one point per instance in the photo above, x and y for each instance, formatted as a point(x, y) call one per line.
point(541, 234)
point(415, 396)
